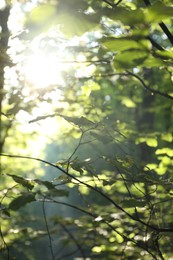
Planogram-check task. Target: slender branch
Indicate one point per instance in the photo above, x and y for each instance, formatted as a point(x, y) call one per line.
point(117, 3)
point(93, 215)
point(162, 25)
point(158, 248)
point(107, 2)
point(68, 254)
point(47, 228)
point(74, 240)
point(5, 244)
point(137, 77)
point(112, 5)
point(1, 233)
point(41, 118)
point(100, 192)
point(86, 61)
point(155, 44)
point(166, 31)
point(77, 147)
point(148, 88)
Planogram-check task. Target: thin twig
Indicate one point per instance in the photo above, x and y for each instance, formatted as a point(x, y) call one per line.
point(148, 88)
point(48, 231)
point(107, 2)
point(93, 215)
point(74, 240)
point(1, 233)
point(128, 73)
point(99, 191)
point(5, 244)
point(75, 150)
point(112, 5)
point(117, 3)
point(68, 254)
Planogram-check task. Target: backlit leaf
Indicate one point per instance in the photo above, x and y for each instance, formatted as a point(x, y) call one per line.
point(167, 137)
point(151, 142)
point(165, 150)
point(75, 23)
point(130, 59)
point(125, 43)
point(158, 12)
point(128, 102)
point(126, 16)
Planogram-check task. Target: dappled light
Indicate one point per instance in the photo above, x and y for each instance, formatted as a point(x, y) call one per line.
point(86, 156)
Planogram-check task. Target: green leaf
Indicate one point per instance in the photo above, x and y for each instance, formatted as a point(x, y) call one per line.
point(152, 62)
point(129, 59)
point(167, 137)
point(125, 43)
point(165, 150)
point(77, 166)
point(40, 19)
point(29, 184)
point(128, 102)
point(166, 55)
point(158, 12)
point(82, 122)
point(56, 193)
point(75, 23)
point(22, 201)
point(47, 184)
point(52, 191)
point(42, 14)
point(126, 16)
point(132, 203)
point(152, 142)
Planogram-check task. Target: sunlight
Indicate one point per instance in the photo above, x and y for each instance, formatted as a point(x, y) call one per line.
point(43, 70)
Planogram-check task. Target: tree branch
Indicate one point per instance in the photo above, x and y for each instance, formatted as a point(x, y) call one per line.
point(74, 240)
point(148, 88)
point(166, 31)
point(128, 73)
point(93, 215)
point(112, 5)
point(47, 228)
point(162, 25)
point(155, 44)
point(100, 192)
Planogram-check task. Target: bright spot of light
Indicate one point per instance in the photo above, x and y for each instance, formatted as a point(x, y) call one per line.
point(42, 71)
point(2, 4)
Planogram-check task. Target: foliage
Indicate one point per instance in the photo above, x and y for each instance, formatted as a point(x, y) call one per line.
point(112, 181)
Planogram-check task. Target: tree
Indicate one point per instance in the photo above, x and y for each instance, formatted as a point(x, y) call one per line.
point(115, 101)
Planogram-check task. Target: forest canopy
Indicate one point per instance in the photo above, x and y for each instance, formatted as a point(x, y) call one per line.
point(86, 129)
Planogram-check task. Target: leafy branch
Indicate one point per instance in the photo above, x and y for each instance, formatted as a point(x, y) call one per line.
point(162, 25)
point(128, 73)
point(148, 88)
point(101, 220)
point(99, 191)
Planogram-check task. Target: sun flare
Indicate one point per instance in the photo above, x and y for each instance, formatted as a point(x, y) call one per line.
point(43, 70)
